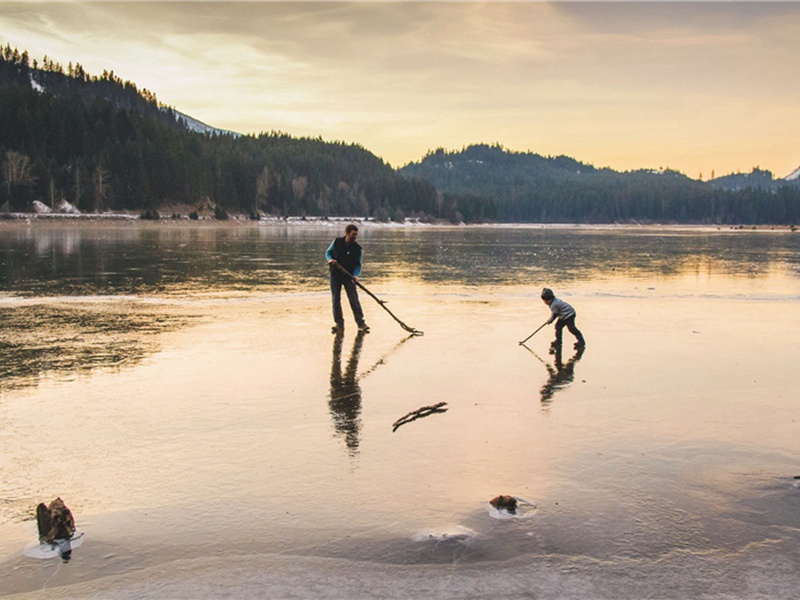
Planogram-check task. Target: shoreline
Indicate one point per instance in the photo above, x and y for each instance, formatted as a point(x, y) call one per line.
point(28, 218)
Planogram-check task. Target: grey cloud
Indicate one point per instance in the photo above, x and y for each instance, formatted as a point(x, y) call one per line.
point(646, 17)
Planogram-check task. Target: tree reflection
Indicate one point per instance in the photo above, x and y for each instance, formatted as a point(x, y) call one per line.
point(42, 340)
point(84, 259)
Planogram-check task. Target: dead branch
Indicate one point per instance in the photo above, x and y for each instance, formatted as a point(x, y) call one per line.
point(419, 413)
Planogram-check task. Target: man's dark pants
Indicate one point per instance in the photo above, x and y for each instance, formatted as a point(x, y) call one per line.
point(352, 296)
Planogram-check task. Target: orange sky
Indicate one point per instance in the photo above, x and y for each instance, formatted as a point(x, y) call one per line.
point(698, 87)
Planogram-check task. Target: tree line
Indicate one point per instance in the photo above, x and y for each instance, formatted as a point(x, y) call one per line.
point(499, 185)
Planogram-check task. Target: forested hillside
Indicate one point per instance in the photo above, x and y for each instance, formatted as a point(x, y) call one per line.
point(526, 187)
point(102, 144)
point(757, 179)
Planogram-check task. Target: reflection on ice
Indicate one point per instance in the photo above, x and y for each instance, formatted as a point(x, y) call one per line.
point(560, 373)
point(40, 340)
point(669, 467)
point(345, 394)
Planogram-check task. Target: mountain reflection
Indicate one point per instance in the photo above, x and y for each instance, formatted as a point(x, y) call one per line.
point(175, 257)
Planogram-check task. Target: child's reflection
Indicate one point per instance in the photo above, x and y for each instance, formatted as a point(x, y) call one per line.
point(345, 396)
point(561, 374)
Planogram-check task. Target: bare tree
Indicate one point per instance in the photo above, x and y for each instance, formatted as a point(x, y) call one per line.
point(100, 188)
point(262, 190)
point(17, 171)
point(299, 187)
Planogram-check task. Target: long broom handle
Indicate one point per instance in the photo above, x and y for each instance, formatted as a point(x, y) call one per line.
point(531, 335)
point(378, 300)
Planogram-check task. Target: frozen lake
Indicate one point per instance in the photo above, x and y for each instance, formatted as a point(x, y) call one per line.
point(178, 386)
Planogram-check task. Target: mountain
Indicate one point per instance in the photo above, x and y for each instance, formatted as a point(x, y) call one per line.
point(122, 94)
point(485, 169)
point(528, 187)
point(489, 183)
point(102, 144)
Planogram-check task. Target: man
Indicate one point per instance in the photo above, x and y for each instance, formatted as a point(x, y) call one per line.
point(347, 253)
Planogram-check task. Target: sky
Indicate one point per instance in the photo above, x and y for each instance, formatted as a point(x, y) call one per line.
point(706, 88)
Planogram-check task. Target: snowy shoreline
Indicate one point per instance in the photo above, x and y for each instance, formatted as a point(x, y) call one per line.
point(30, 217)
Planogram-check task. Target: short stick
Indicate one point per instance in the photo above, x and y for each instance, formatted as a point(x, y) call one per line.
point(534, 333)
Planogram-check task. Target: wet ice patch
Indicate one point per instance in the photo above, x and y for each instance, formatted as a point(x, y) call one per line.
point(458, 534)
point(45, 551)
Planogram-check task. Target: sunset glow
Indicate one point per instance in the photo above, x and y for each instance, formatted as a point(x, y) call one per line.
point(698, 87)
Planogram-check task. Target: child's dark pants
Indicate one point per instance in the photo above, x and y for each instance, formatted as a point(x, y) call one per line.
point(569, 323)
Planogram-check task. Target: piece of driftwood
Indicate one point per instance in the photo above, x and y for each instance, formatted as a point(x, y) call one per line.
point(507, 502)
point(55, 521)
point(419, 413)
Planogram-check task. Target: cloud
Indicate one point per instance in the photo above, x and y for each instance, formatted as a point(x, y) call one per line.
point(605, 82)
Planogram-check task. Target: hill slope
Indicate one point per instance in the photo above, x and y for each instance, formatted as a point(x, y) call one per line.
point(489, 182)
point(102, 144)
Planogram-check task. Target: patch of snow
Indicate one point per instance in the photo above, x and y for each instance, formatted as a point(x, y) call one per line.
point(41, 208)
point(43, 550)
point(67, 208)
point(35, 85)
point(794, 175)
point(193, 124)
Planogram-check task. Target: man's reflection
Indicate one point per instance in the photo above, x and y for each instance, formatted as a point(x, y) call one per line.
point(561, 374)
point(345, 397)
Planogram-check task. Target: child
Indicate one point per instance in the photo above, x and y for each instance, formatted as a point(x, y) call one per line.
point(566, 318)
